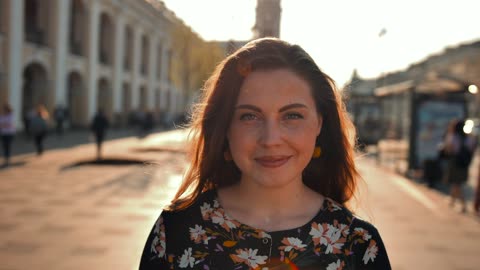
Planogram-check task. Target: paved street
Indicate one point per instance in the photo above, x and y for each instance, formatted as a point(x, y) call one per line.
point(59, 214)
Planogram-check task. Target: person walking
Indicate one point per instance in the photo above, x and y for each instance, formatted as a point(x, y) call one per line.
point(60, 115)
point(7, 132)
point(99, 128)
point(459, 148)
point(476, 203)
point(271, 171)
point(39, 128)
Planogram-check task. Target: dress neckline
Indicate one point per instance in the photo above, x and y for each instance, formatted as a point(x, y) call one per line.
point(321, 210)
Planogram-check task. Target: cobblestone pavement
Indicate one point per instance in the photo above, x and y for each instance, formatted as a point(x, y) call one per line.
point(55, 215)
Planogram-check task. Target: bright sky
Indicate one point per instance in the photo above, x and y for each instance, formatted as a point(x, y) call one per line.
point(342, 35)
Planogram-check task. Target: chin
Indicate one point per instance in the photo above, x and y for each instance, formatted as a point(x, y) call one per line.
point(275, 182)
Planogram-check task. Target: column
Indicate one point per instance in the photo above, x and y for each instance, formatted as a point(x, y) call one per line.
point(164, 76)
point(152, 69)
point(118, 63)
point(61, 45)
point(15, 48)
point(94, 17)
point(137, 40)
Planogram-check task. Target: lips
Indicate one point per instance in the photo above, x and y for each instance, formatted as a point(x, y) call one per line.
point(272, 161)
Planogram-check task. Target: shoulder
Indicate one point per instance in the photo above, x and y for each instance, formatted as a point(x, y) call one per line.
point(172, 232)
point(362, 239)
point(178, 220)
point(336, 212)
point(368, 245)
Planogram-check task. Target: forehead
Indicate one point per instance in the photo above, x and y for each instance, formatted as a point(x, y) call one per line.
point(275, 85)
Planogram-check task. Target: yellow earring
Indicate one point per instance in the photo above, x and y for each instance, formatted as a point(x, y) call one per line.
point(317, 152)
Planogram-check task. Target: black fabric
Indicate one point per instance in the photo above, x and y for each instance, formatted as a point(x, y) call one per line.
point(464, 156)
point(174, 241)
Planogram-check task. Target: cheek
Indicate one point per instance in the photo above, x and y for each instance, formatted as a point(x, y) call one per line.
point(238, 141)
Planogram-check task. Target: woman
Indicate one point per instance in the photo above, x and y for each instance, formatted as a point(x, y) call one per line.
point(459, 147)
point(7, 132)
point(271, 169)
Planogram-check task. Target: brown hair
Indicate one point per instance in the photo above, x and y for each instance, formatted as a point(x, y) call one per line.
point(333, 174)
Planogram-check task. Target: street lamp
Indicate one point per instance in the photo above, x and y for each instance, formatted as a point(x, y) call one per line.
point(468, 126)
point(473, 89)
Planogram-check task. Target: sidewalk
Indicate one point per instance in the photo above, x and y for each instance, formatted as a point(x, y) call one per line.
point(24, 145)
point(469, 188)
point(56, 216)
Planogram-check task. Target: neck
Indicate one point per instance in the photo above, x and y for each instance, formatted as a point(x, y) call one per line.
point(269, 208)
point(273, 201)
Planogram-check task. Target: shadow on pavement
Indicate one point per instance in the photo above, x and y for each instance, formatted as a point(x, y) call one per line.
point(13, 165)
point(110, 161)
point(158, 149)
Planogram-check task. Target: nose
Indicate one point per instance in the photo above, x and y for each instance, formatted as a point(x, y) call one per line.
point(271, 134)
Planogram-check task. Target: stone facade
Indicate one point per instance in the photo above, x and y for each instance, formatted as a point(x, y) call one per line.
point(87, 54)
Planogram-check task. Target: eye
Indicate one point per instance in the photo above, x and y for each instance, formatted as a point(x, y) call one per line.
point(248, 116)
point(293, 115)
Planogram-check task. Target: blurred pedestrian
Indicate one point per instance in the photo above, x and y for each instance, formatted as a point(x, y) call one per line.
point(476, 204)
point(99, 128)
point(7, 131)
point(60, 115)
point(28, 114)
point(39, 127)
point(271, 171)
point(459, 148)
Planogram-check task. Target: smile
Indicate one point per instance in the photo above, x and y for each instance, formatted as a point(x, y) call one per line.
point(272, 162)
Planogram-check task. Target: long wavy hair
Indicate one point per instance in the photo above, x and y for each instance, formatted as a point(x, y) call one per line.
point(333, 174)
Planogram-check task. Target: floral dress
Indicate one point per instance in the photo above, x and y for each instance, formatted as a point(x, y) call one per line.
point(204, 237)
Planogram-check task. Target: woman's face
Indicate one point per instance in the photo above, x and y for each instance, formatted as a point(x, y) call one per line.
point(274, 127)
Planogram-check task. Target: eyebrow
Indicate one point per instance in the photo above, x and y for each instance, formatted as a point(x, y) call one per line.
point(284, 108)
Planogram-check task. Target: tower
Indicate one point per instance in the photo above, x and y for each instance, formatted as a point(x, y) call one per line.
point(267, 22)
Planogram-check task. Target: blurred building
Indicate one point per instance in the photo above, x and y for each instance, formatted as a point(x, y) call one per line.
point(267, 22)
point(415, 105)
point(85, 54)
point(364, 108)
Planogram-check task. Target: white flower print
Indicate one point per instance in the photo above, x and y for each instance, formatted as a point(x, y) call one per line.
point(334, 243)
point(365, 235)
point(158, 244)
point(216, 204)
point(334, 206)
point(218, 217)
point(197, 234)
point(336, 265)
point(187, 260)
point(371, 252)
point(317, 233)
point(206, 210)
point(331, 236)
point(249, 257)
point(292, 243)
point(158, 224)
